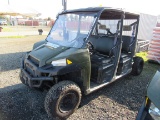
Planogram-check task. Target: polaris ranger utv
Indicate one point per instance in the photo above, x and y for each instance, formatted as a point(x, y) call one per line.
point(85, 50)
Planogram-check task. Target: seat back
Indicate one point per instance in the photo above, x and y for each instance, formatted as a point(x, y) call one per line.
point(126, 46)
point(103, 44)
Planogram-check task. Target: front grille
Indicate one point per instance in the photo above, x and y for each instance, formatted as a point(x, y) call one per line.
point(29, 69)
point(33, 60)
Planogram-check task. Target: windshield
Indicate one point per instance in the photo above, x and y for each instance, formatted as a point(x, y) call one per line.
point(71, 29)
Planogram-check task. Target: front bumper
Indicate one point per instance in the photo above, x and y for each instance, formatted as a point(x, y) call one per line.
point(32, 75)
point(33, 81)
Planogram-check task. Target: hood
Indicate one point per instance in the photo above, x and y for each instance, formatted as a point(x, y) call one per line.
point(45, 52)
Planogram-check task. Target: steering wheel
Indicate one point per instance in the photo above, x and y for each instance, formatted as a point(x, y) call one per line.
point(90, 47)
point(109, 32)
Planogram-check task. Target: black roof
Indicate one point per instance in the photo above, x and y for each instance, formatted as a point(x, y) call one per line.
point(128, 15)
point(91, 9)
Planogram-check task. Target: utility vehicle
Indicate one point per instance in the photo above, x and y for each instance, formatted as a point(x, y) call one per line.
point(150, 109)
point(85, 50)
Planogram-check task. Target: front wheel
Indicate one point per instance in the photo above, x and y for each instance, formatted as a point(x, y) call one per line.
point(137, 66)
point(62, 99)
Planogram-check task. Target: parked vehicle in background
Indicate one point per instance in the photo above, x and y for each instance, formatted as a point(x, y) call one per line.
point(21, 22)
point(150, 109)
point(3, 22)
point(85, 50)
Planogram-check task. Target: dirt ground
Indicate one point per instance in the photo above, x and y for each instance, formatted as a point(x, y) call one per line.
point(118, 101)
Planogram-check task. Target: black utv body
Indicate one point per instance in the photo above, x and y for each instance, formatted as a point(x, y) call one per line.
point(150, 109)
point(85, 50)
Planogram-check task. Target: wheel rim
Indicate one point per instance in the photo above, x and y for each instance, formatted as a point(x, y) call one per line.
point(68, 102)
point(140, 67)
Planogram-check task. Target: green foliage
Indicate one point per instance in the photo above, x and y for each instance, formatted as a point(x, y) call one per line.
point(6, 29)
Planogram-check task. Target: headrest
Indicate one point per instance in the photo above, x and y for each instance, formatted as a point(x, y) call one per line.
point(127, 28)
point(102, 27)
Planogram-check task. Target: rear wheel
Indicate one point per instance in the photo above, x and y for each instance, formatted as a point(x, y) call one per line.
point(137, 66)
point(62, 99)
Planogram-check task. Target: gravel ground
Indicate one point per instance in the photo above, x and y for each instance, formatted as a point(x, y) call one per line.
point(118, 101)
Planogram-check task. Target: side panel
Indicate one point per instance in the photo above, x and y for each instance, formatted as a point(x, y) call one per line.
point(82, 59)
point(80, 63)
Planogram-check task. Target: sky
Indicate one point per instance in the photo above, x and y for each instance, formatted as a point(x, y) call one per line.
point(50, 8)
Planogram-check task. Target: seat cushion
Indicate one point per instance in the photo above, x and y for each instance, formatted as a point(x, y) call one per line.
point(124, 55)
point(98, 59)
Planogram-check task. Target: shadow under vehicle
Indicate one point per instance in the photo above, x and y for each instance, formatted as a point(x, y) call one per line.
point(85, 50)
point(150, 109)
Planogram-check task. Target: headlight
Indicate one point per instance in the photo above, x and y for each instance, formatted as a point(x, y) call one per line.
point(61, 62)
point(154, 111)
